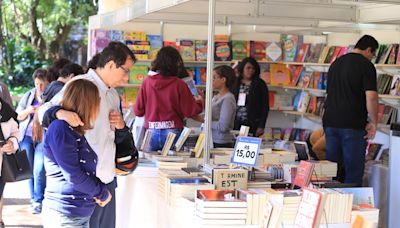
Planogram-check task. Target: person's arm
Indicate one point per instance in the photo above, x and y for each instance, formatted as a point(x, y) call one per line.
point(64, 146)
point(225, 117)
point(24, 109)
point(14, 136)
point(140, 107)
point(264, 108)
point(372, 108)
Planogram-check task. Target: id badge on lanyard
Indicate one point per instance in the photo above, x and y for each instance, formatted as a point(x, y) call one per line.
point(241, 99)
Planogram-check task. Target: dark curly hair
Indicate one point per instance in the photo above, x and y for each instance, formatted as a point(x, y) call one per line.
point(168, 62)
point(253, 62)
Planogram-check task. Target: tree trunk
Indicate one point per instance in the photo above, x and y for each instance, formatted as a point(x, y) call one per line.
point(37, 38)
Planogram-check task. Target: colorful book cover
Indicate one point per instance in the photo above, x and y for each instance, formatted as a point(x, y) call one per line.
point(296, 72)
point(324, 53)
point(135, 35)
point(335, 54)
point(156, 43)
point(223, 51)
point(100, 41)
point(302, 53)
point(286, 133)
point(172, 44)
point(280, 75)
point(395, 87)
point(221, 38)
point(314, 53)
point(265, 74)
point(130, 96)
point(138, 74)
point(313, 105)
point(392, 55)
point(201, 75)
point(277, 133)
point(187, 49)
point(273, 52)
point(316, 79)
point(201, 50)
point(343, 51)
point(304, 101)
point(329, 56)
point(398, 56)
point(116, 35)
point(322, 80)
point(296, 100)
point(305, 79)
point(240, 49)
point(303, 174)
point(290, 45)
point(258, 50)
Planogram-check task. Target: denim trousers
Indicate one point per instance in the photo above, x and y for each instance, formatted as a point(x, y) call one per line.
point(54, 219)
point(158, 137)
point(37, 183)
point(347, 148)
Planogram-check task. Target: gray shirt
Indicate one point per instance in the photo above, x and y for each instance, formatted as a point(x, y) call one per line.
point(223, 117)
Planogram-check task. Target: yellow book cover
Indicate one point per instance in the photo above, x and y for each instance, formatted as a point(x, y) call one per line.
point(280, 75)
point(130, 96)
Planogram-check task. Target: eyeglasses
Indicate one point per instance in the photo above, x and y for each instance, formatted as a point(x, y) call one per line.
point(126, 71)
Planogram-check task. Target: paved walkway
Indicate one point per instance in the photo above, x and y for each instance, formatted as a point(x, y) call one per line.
point(16, 207)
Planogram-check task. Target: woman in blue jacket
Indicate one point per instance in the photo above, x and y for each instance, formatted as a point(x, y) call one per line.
point(73, 189)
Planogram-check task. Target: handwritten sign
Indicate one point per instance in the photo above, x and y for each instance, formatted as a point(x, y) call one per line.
point(229, 179)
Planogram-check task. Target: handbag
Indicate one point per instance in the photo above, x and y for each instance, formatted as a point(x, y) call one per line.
point(127, 156)
point(15, 166)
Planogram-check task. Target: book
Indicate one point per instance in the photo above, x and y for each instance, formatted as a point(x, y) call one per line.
point(305, 80)
point(240, 49)
point(296, 73)
point(218, 198)
point(200, 75)
point(290, 44)
point(187, 49)
point(191, 85)
point(156, 43)
point(168, 143)
point(310, 209)
point(130, 96)
point(146, 140)
point(280, 75)
point(324, 53)
point(182, 138)
point(335, 54)
point(201, 50)
point(303, 103)
point(198, 149)
point(395, 86)
point(329, 56)
point(273, 52)
point(244, 131)
point(223, 51)
point(303, 174)
point(173, 44)
point(258, 50)
point(302, 53)
point(138, 74)
point(314, 53)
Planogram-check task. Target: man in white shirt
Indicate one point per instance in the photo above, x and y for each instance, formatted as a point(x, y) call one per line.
point(113, 68)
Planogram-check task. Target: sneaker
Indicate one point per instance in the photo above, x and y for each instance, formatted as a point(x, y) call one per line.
point(36, 208)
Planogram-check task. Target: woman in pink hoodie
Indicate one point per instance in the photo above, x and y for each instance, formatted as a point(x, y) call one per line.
point(164, 99)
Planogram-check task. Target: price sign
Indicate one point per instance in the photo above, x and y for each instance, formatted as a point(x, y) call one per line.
point(246, 151)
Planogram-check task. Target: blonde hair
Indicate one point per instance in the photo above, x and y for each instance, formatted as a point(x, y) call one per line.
point(82, 97)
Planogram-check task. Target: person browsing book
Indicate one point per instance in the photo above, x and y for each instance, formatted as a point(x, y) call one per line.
point(223, 107)
point(72, 186)
point(251, 95)
point(113, 67)
point(164, 99)
point(351, 110)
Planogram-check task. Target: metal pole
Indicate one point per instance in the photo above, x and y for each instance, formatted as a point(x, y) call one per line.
point(209, 91)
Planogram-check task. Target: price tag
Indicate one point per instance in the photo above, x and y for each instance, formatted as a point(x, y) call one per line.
point(246, 151)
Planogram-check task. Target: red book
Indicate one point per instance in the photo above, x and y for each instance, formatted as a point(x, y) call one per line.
point(317, 76)
point(172, 44)
point(257, 50)
point(336, 54)
point(271, 96)
point(296, 75)
point(303, 174)
point(381, 109)
point(312, 105)
point(302, 53)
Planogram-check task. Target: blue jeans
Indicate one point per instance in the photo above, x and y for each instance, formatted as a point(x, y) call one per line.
point(158, 137)
point(347, 148)
point(37, 183)
point(54, 219)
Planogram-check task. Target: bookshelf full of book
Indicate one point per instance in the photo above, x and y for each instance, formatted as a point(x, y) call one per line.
point(296, 72)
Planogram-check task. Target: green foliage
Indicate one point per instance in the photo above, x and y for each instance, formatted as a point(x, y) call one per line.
point(21, 60)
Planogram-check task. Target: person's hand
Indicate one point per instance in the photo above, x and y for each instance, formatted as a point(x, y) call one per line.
point(200, 96)
point(8, 148)
point(116, 120)
point(70, 117)
point(259, 132)
point(31, 109)
point(371, 131)
point(105, 202)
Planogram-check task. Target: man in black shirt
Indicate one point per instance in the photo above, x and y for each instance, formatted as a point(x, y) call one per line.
point(351, 100)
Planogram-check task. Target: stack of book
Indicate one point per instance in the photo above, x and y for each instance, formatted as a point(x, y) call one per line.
point(324, 170)
point(186, 188)
point(338, 206)
point(220, 207)
point(171, 165)
point(164, 180)
point(279, 157)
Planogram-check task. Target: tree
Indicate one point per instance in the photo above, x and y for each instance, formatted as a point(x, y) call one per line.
point(32, 32)
point(45, 24)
